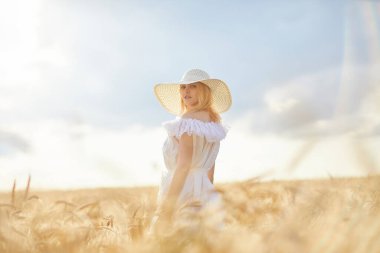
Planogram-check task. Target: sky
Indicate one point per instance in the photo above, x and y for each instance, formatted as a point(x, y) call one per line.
point(77, 107)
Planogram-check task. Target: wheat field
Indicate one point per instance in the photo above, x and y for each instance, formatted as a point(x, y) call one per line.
point(330, 215)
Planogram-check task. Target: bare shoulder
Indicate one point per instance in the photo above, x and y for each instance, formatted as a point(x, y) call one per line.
point(200, 115)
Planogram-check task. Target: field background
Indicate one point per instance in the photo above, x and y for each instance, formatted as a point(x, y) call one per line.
point(331, 215)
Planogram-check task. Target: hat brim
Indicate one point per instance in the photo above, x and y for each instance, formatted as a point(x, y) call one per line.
point(169, 97)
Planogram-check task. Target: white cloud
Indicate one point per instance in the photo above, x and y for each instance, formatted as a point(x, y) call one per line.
point(64, 154)
point(312, 104)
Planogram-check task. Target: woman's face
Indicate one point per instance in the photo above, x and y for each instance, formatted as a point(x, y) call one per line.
point(189, 94)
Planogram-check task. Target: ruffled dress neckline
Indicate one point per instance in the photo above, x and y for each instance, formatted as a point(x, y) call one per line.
point(212, 131)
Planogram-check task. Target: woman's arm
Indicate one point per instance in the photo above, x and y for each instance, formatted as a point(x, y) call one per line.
point(211, 174)
point(185, 153)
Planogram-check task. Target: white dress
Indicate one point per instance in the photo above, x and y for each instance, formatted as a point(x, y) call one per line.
point(206, 141)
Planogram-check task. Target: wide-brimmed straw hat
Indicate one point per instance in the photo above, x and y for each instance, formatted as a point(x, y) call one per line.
point(169, 97)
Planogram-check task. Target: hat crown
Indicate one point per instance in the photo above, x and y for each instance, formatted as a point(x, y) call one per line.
point(194, 75)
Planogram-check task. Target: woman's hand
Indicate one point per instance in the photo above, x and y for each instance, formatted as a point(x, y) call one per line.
point(165, 210)
point(162, 219)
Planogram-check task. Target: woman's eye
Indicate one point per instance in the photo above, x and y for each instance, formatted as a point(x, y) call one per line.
point(182, 87)
point(193, 85)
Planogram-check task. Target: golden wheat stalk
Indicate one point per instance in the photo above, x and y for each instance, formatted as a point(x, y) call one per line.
point(13, 196)
point(27, 188)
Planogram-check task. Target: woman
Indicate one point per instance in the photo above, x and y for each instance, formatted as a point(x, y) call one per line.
point(192, 144)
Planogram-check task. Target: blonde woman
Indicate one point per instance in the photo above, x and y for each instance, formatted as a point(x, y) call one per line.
point(192, 145)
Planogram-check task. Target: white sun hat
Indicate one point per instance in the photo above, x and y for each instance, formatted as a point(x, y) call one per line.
point(169, 97)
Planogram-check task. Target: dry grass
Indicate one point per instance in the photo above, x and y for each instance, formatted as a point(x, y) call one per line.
point(336, 215)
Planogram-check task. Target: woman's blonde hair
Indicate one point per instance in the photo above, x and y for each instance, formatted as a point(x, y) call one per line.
point(204, 102)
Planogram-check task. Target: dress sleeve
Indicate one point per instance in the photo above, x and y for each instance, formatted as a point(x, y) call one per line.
point(212, 131)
